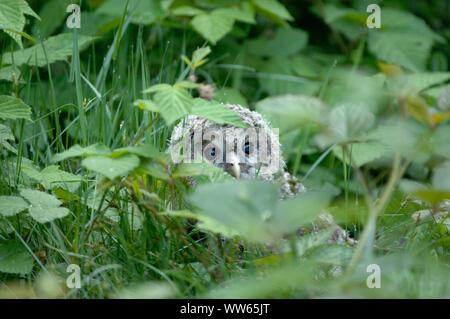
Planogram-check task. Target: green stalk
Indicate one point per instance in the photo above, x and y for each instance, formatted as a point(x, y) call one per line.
point(76, 71)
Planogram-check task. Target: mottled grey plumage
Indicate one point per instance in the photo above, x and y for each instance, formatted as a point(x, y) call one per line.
point(289, 185)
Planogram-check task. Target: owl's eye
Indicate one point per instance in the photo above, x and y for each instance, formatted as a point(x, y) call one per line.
point(247, 148)
point(212, 152)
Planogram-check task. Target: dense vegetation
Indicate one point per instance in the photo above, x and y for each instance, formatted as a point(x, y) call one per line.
point(86, 114)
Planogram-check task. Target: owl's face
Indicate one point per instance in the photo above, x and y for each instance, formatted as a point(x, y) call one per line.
point(242, 152)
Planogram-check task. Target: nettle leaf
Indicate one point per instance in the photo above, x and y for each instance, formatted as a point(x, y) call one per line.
point(173, 102)
point(15, 258)
point(5, 136)
point(58, 48)
point(362, 153)
point(331, 254)
point(144, 12)
point(147, 151)
point(213, 26)
point(417, 82)
point(43, 207)
point(293, 111)
point(10, 73)
point(77, 150)
point(404, 40)
point(13, 108)
point(273, 9)
point(186, 11)
point(12, 18)
point(52, 177)
point(348, 123)
point(231, 96)
point(216, 112)
point(285, 42)
point(237, 14)
point(12, 205)
point(306, 242)
point(441, 176)
point(111, 167)
point(192, 169)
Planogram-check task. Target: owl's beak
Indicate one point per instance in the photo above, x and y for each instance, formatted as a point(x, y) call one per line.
point(232, 166)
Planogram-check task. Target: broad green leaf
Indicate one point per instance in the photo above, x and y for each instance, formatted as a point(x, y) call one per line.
point(173, 103)
point(416, 82)
point(308, 241)
point(285, 42)
point(404, 40)
point(213, 26)
point(237, 14)
point(295, 212)
point(52, 177)
point(441, 176)
point(58, 48)
point(331, 254)
point(9, 73)
point(15, 258)
point(12, 205)
point(135, 219)
point(199, 56)
point(363, 153)
point(5, 136)
point(147, 151)
point(273, 8)
point(147, 105)
point(77, 150)
point(440, 141)
point(293, 111)
point(12, 17)
point(144, 12)
point(242, 205)
point(43, 207)
point(347, 123)
point(216, 112)
point(13, 108)
point(432, 196)
point(112, 167)
point(186, 11)
point(231, 96)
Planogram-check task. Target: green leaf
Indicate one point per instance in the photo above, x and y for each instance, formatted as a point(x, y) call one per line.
point(293, 111)
point(13, 108)
point(192, 169)
point(147, 151)
point(240, 205)
point(273, 8)
point(308, 241)
point(347, 123)
point(231, 96)
point(173, 103)
point(9, 73)
point(5, 136)
point(216, 112)
point(43, 207)
point(199, 56)
point(144, 12)
point(295, 212)
point(404, 40)
point(331, 254)
point(363, 153)
point(237, 14)
point(52, 177)
point(58, 48)
point(77, 150)
point(213, 26)
point(285, 42)
point(186, 11)
point(12, 205)
point(111, 167)
point(441, 176)
point(15, 258)
point(12, 17)
point(147, 105)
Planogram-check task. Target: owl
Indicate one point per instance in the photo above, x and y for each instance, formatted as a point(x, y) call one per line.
point(247, 153)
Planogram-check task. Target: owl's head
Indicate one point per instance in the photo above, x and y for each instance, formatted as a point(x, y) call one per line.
point(242, 152)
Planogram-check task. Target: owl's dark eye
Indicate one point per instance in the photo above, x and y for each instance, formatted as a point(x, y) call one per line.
point(247, 148)
point(212, 152)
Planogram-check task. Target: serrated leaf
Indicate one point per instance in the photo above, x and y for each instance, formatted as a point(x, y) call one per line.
point(5, 136)
point(331, 254)
point(15, 258)
point(51, 177)
point(231, 96)
point(43, 207)
point(58, 48)
point(192, 169)
point(9, 73)
point(111, 167)
point(186, 11)
point(285, 42)
point(147, 151)
point(237, 14)
point(213, 26)
point(273, 7)
point(13, 108)
point(12, 205)
point(216, 112)
point(306, 242)
point(77, 150)
point(173, 103)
